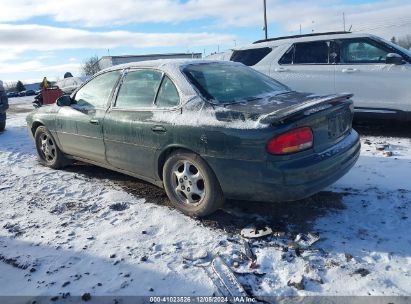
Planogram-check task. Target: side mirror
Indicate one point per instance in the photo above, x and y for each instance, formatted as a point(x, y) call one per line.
point(64, 101)
point(393, 58)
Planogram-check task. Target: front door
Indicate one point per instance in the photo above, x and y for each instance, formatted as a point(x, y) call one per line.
point(361, 70)
point(80, 126)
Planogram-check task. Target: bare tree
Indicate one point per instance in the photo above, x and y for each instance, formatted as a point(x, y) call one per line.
point(10, 86)
point(405, 42)
point(90, 66)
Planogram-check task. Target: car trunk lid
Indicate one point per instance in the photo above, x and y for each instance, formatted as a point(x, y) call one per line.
point(329, 117)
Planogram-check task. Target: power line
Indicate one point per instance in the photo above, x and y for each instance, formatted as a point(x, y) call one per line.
point(382, 26)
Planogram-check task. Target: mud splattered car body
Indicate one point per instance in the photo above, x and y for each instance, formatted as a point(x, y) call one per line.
point(278, 145)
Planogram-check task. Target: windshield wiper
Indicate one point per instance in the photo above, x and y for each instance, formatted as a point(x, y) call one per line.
point(227, 103)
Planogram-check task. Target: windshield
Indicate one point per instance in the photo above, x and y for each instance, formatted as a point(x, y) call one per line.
point(396, 46)
point(229, 83)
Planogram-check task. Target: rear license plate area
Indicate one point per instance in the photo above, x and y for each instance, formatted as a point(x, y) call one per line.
point(339, 123)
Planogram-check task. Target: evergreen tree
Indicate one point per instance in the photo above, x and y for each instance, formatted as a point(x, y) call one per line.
point(20, 86)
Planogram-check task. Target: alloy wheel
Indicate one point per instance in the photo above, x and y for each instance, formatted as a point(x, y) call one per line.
point(188, 183)
point(47, 147)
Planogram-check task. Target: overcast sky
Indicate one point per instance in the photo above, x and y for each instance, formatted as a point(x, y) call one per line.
point(49, 37)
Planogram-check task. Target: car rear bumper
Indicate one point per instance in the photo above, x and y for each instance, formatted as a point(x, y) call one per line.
point(286, 180)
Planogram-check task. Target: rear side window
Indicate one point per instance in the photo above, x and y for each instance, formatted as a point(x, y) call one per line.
point(167, 95)
point(138, 89)
point(288, 56)
point(250, 57)
point(311, 52)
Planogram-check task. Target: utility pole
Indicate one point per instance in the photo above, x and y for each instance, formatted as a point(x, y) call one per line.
point(265, 19)
point(344, 21)
point(300, 28)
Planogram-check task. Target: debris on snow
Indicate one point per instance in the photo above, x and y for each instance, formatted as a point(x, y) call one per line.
point(224, 279)
point(381, 147)
point(348, 257)
point(305, 241)
point(248, 251)
point(256, 232)
point(362, 271)
point(196, 255)
point(388, 153)
point(119, 206)
point(297, 282)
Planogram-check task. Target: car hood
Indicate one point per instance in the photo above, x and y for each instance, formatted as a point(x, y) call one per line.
point(46, 109)
point(52, 109)
point(274, 108)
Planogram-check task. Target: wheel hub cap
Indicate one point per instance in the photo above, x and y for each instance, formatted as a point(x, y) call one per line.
point(188, 183)
point(48, 147)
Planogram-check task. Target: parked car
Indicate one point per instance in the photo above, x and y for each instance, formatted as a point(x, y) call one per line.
point(69, 85)
point(376, 71)
point(30, 93)
point(4, 105)
point(203, 130)
point(12, 94)
point(22, 94)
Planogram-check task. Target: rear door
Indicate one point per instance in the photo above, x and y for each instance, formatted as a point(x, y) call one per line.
point(306, 67)
point(130, 134)
point(79, 127)
point(361, 70)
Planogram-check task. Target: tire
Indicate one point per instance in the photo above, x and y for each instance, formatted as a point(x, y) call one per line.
point(48, 152)
point(191, 185)
point(2, 125)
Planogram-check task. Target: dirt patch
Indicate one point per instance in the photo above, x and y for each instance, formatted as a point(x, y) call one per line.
point(298, 216)
point(383, 128)
point(134, 186)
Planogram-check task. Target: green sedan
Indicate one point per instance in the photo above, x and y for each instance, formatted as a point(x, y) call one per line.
point(202, 130)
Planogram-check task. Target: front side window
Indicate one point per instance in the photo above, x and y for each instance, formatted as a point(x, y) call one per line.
point(229, 83)
point(138, 89)
point(98, 90)
point(168, 94)
point(250, 57)
point(311, 52)
point(361, 51)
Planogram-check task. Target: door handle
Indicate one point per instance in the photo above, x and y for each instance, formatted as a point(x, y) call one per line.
point(94, 121)
point(349, 70)
point(281, 70)
point(158, 129)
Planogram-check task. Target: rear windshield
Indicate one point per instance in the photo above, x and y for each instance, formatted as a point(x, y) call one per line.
point(250, 57)
point(230, 83)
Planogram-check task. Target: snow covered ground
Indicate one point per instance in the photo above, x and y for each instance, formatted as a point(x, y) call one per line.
point(88, 230)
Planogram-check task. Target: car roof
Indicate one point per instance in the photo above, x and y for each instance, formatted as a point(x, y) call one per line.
point(273, 42)
point(165, 64)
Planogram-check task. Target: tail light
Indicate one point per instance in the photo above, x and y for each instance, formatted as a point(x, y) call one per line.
point(293, 141)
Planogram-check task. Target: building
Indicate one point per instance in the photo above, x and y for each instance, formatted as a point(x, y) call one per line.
point(109, 61)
